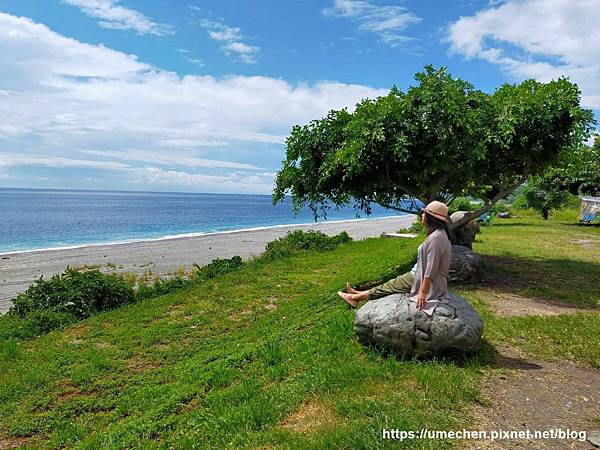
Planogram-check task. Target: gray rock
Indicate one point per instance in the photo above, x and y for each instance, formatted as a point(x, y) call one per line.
point(466, 265)
point(394, 323)
point(465, 234)
point(594, 438)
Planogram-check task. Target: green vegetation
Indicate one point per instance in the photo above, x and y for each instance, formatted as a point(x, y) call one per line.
point(440, 139)
point(462, 204)
point(577, 172)
point(545, 200)
point(82, 292)
point(264, 356)
point(303, 240)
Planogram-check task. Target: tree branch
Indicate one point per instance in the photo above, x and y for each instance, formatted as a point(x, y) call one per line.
point(436, 188)
point(487, 205)
point(396, 208)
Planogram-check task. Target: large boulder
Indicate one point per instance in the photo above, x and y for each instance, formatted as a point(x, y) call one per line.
point(466, 265)
point(395, 324)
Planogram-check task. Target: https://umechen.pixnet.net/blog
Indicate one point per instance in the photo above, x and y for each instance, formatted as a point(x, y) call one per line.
point(565, 435)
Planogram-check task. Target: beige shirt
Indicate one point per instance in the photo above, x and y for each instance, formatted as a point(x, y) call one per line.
point(435, 256)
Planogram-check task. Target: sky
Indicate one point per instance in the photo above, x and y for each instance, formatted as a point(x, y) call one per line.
point(199, 96)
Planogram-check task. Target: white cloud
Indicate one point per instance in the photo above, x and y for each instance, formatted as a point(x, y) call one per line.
point(196, 61)
point(234, 182)
point(387, 22)
point(231, 39)
point(63, 100)
point(114, 16)
point(13, 159)
point(540, 39)
point(170, 159)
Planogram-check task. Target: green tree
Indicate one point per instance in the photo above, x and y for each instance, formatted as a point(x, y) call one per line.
point(576, 171)
point(438, 140)
point(545, 198)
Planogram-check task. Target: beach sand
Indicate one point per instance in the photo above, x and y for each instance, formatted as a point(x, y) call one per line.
point(166, 256)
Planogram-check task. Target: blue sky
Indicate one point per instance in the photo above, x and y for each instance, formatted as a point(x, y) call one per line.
point(199, 96)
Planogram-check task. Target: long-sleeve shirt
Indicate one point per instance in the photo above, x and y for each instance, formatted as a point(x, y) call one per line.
point(435, 256)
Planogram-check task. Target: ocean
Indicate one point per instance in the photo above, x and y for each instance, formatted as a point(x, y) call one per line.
point(34, 219)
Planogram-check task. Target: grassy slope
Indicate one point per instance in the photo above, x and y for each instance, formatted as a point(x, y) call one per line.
point(266, 356)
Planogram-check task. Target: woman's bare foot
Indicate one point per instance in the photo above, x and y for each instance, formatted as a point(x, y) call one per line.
point(348, 299)
point(351, 290)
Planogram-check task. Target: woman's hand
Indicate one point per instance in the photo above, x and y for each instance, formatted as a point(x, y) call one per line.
point(423, 292)
point(421, 300)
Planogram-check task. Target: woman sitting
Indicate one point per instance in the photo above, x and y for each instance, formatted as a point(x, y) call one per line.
point(427, 281)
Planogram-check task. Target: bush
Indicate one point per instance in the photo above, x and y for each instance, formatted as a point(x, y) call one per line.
point(159, 287)
point(462, 204)
point(500, 207)
point(218, 267)
point(417, 227)
point(300, 240)
point(520, 201)
point(78, 293)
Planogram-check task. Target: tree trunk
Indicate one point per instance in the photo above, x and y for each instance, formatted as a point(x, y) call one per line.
point(545, 213)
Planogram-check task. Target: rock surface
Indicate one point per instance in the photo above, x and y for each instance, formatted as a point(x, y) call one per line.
point(466, 265)
point(394, 323)
point(464, 235)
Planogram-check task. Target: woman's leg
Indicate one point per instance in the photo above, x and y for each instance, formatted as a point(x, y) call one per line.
point(399, 285)
point(353, 299)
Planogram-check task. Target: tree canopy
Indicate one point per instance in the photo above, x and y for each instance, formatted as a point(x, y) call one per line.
point(440, 139)
point(577, 171)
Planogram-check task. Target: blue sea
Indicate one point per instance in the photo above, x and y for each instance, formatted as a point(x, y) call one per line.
point(34, 219)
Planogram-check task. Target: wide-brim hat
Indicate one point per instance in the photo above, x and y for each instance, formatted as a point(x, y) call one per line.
point(438, 210)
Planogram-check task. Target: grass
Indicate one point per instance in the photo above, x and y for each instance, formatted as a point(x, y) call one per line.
point(265, 357)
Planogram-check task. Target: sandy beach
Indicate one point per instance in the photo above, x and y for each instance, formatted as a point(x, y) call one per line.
point(166, 256)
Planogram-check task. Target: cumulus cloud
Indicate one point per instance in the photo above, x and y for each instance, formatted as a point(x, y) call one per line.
point(116, 17)
point(231, 39)
point(70, 104)
point(388, 22)
point(540, 39)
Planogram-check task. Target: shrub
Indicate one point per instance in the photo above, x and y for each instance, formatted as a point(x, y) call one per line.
point(300, 240)
point(416, 227)
point(501, 206)
point(74, 293)
point(520, 201)
point(462, 204)
point(161, 286)
point(218, 267)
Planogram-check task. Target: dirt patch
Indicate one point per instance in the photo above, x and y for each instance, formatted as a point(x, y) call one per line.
point(9, 442)
point(271, 307)
point(587, 243)
point(311, 416)
point(103, 345)
point(241, 315)
point(138, 365)
point(526, 394)
point(507, 304)
point(69, 390)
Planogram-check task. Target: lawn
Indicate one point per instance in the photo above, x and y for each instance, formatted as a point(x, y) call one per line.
point(265, 357)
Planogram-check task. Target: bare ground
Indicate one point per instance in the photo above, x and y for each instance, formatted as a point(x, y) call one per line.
point(523, 393)
point(507, 304)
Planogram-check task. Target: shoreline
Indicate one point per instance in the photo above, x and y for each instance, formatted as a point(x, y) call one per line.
point(192, 234)
point(166, 255)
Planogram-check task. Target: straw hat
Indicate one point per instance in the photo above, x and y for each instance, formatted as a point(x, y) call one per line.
point(438, 210)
